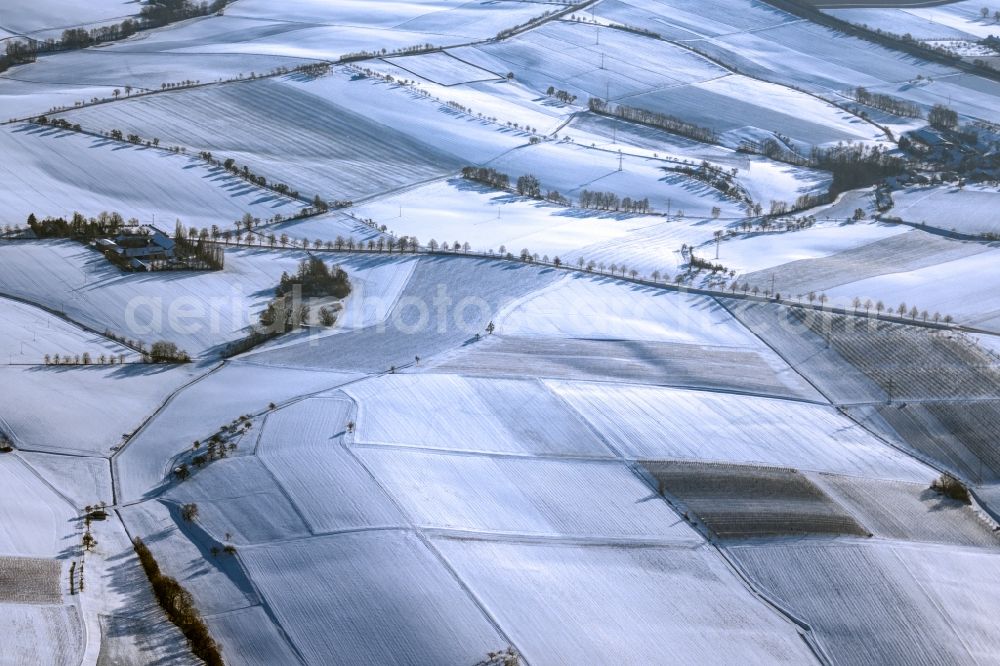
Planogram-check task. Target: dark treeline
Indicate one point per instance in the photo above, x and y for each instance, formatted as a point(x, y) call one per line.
point(179, 606)
point(487, 176)
point(561, 95)
point(645, 32)
point(943, 118)
point(59, 122)
point(851, 165)
point(514, 29)
point(654, 119)
point(161, 12)
point(855, 166)
point(704, 264)
point(78, 226)
point(887, 103)
point(529, 186)
point(246, 174)
point(406, 50)
point(611, 201)
point(716, 177)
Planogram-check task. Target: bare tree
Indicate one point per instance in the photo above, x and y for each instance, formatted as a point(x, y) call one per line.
point(189, 511)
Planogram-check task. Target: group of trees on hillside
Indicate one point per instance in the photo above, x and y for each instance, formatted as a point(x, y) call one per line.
point(315, 278)
point(943, 118)
point(856, 165)
point(773, 149)
point(199, 250)
point(662, 121)
point(887, 103)
point(561, 95)
point(529, 186)
point(611, 201)
point(487, 176)
point(716, 177)
point(287, 312)
point(179, 606)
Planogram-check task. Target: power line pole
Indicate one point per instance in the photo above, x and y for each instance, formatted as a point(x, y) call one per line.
point(621, 158)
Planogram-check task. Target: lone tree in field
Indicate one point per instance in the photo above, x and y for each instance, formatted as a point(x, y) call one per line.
point(163, 351)
point(189, 512)
point(951, 487)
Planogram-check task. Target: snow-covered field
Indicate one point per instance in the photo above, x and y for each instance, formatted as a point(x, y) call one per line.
point(964, 288)
point(900, 601)
point(29, 333)
point(581, 306)
point(48, 18)
point(571, 498)
point(760, 251)
point(472, 459)
point(893, 254)
point(442, 411)
point(196, 413)
point(37, 521)
point(970, 210)
point(456, 210)
point(591, 61)
point(199, 311)
point(707, 426)
point(94, 406)
point(309, 134)
point(816, 59)
point(372, 597)
point(961, 20)
point(51, 172)
point(321, 30)
point(763, 179)
point(641, 604)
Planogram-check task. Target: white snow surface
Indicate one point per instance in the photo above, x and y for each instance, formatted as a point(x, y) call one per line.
point(53, 172)
point(639, 605)
point(666, 423)
point(585, 306)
